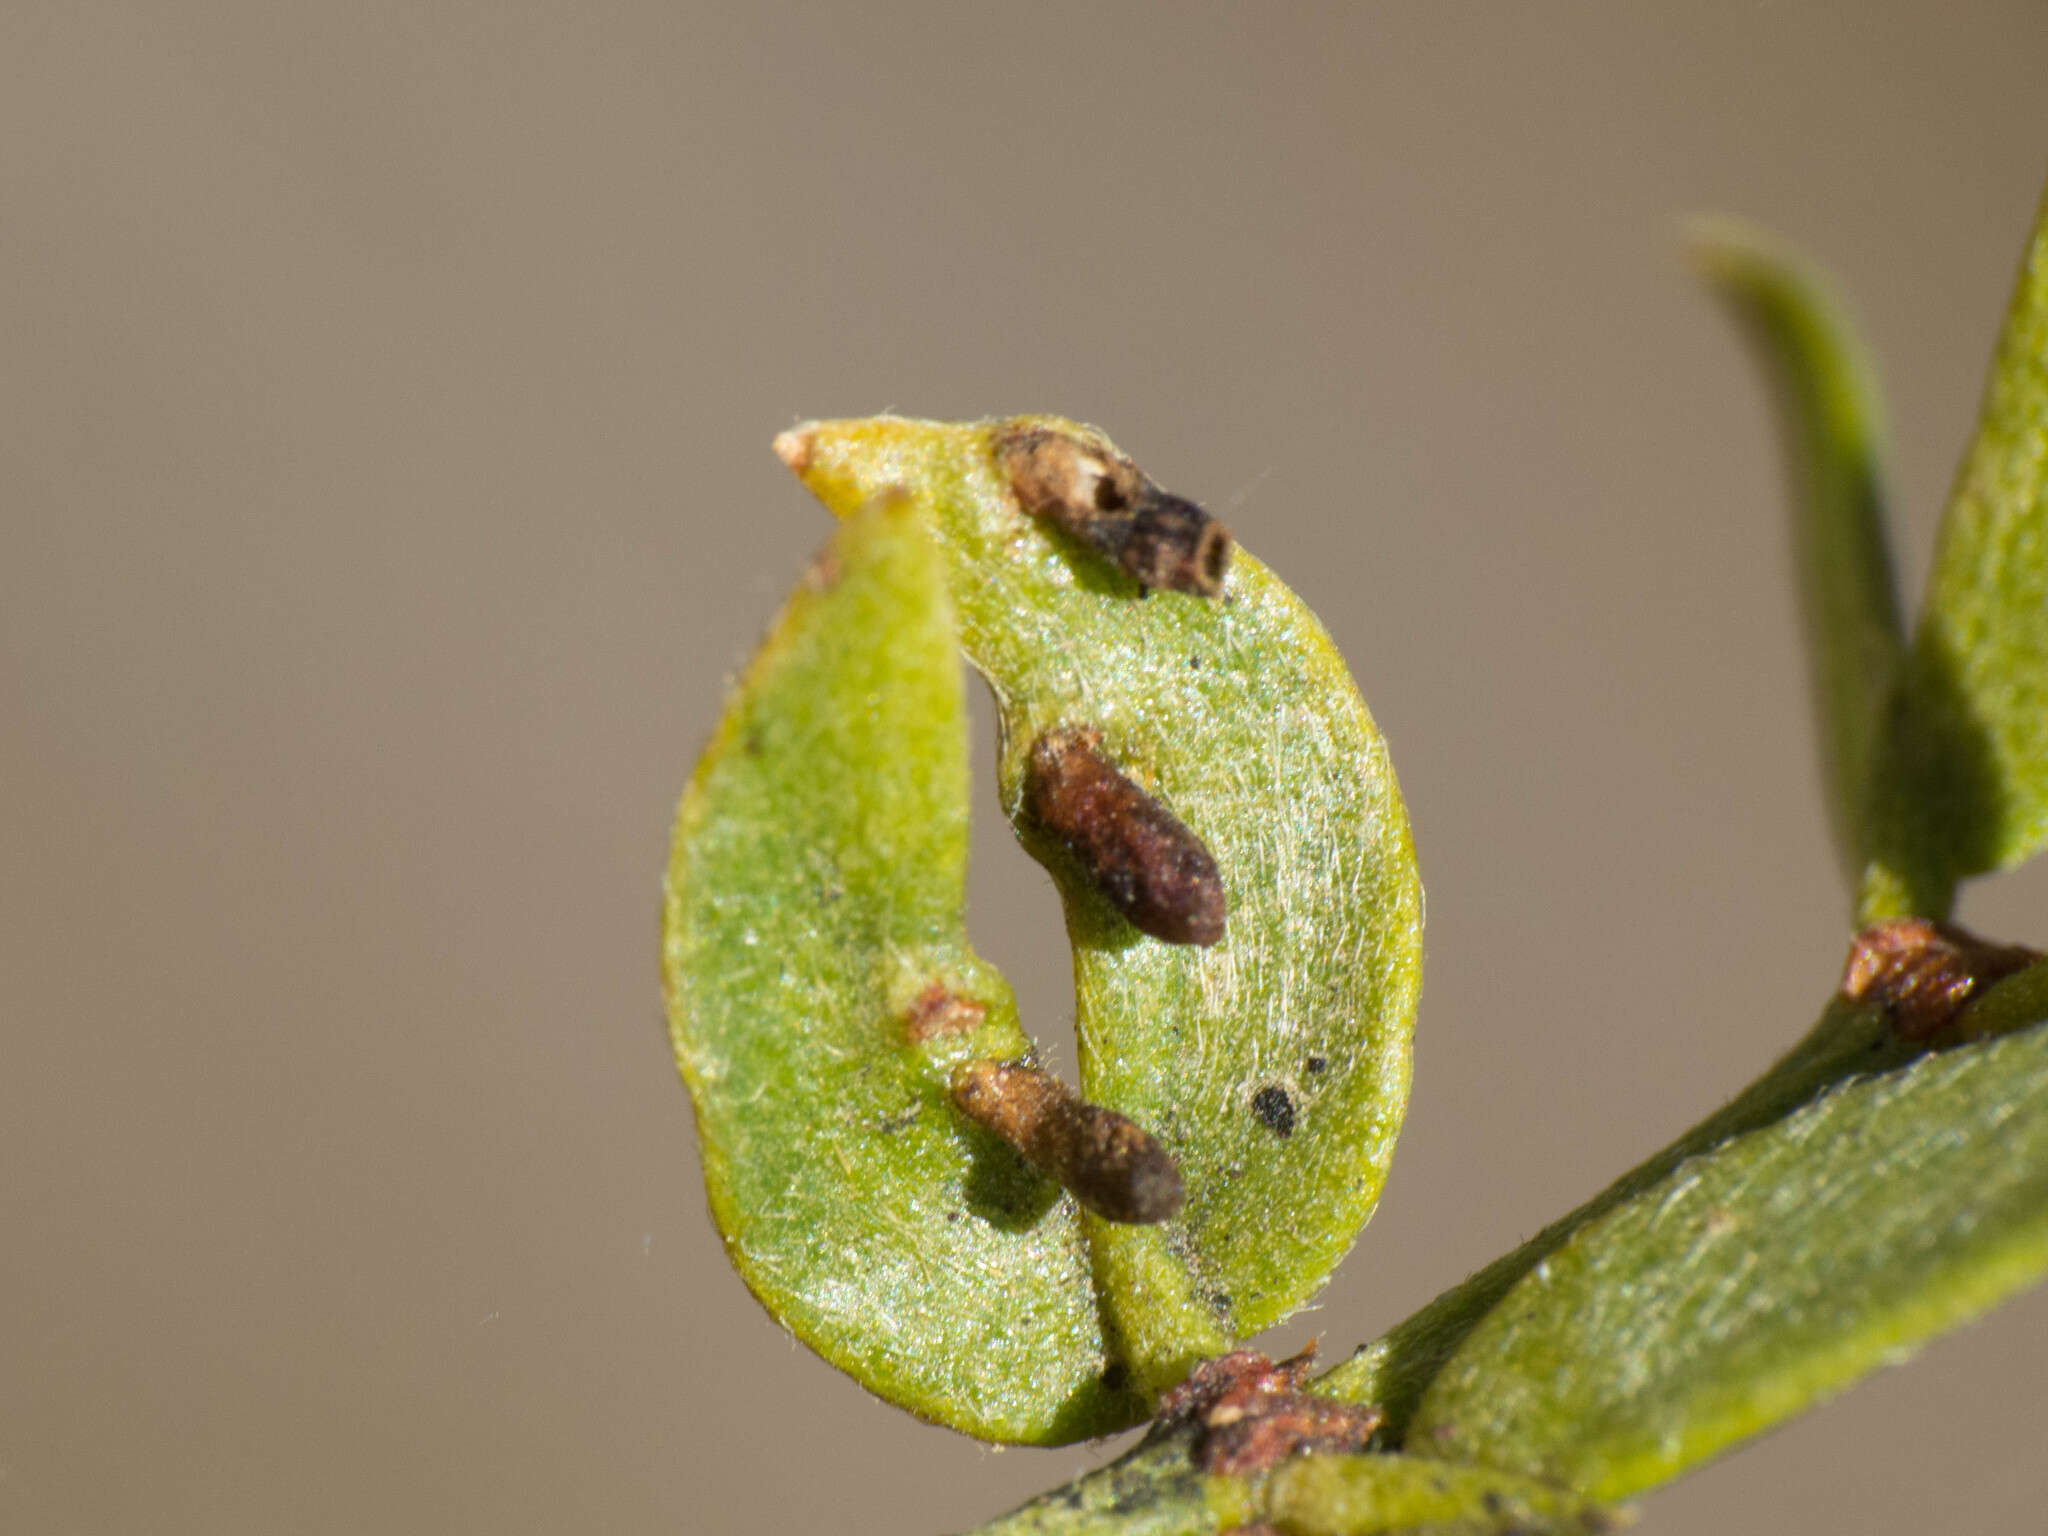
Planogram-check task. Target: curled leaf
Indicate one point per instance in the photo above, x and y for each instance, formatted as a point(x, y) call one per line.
point(1272, 1064)
point(821, 993)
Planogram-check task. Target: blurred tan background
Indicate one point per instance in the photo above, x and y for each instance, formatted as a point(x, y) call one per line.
point(385, 396)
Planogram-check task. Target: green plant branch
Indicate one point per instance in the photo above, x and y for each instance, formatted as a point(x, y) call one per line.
point(1852, 1049)
point(1762, 1278)
point(1885, 1180)
point(1155, 1490)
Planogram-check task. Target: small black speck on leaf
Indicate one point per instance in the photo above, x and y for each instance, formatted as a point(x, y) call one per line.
point(1275, 1110)
point(1316, 1064)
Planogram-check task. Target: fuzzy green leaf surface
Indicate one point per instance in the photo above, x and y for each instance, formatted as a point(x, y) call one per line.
point(815, 893)
point(1831, 422)
point(1238, 713)
point(1760, 1277)
point(1395, 1370)
point(1156, 1491)
point(1979, 667)
point(1410, 1496)
point(1153, 1490)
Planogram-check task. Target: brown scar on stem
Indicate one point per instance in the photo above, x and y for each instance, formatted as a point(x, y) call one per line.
point(935, 1012)
point(1250, 1414)
point(1137, 853)
point(1112, 506)
point(1110, 1163)
point(1923, 973)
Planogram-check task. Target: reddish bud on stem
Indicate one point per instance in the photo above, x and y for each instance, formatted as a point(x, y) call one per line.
point(1923, 972)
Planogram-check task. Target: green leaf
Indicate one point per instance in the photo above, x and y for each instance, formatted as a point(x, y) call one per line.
point(1409, 1496)
point(813, 915)
point(1396, 1369)
point(1274, 1065)
point(1831, 420)
point(1979, 670)
point(1762, 1276)
point(1156, 1491)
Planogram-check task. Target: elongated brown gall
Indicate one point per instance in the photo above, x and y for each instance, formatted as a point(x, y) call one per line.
point(1108, 503)
point(1923, 972)
point(1113, 1165)
point(1137, 853)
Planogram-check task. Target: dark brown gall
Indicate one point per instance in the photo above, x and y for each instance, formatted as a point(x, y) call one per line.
point(1112, 506)
point(1112, 1165)
point(1137, 853)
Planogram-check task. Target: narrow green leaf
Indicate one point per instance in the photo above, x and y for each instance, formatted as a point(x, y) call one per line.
point(1979, 670)
point(814, 919)
point(1274, 1064)
point(1410, 1496)
point(1153, 1490)
point(1832, 426)
point(1156, 1491)
point(1396, 1369)
point(1761, 1277)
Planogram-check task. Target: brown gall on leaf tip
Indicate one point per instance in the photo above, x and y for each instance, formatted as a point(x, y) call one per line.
point(1110, 1164)
point(1137, 853)
point(1923, 973)
point(1109, 504)
point(935, 1012)
point(1250, 1414)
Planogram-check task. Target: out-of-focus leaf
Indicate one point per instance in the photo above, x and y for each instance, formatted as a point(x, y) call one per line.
point(1832, 426)
point(1274, 1065)
point(813, 919)
point(1979, 669)
point(1762, 1276)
